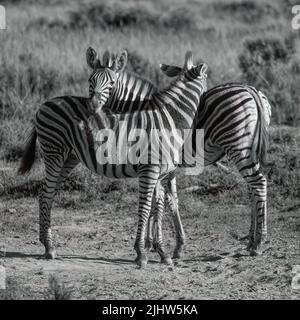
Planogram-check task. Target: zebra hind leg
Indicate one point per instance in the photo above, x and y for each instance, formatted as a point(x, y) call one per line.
point(149, 236)
point(56, 172)
point(258, 195)
point(172, 201)
point(158, 243)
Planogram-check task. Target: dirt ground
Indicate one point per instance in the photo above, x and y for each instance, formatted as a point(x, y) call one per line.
point(95, 252)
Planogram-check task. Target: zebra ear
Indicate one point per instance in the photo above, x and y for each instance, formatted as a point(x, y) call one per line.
point(188, 63)
point(170, 71)
point(201, 69)
point(107, 59)
point(121, 61)
point(92, 58)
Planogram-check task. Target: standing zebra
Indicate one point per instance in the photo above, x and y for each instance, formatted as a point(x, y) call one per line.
point(132, 93)
point(235, 119)
point(60, 125)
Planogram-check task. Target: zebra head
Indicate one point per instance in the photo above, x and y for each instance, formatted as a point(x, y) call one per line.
point(104, 76)
point(189, 72)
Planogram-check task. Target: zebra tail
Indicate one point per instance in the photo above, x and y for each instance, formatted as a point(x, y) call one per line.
point(29, 152)
point(261, 138)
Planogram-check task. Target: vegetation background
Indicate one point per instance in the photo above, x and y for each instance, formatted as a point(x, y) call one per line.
point(42, 55)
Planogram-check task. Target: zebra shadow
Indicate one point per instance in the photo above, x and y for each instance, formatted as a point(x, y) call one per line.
point(13, 254)
point(102, 260)
point(71, 257)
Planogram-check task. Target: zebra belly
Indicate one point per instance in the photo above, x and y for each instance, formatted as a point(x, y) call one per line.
point(117, 171)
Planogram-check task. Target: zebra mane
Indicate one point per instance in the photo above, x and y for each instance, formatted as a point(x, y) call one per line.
point(141, 78)
point(151, 87)
point(131, 93)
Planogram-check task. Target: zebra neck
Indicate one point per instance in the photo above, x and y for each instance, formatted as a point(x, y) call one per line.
point(180, 101)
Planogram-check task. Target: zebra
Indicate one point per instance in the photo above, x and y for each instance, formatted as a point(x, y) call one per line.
point(235, 118)
point(61, 127)
point(135, 92)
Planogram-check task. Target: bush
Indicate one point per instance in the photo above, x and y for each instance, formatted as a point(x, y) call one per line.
point(57, 290)
point(122, 16)
point(270, 64)
point(13, 291)
point(178, 19)
point(23, 84)
point(105, 17)
point(142, 67)
point(284, 175)
point(246, 11)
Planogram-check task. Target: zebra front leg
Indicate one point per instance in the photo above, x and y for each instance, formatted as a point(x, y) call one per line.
point(148, 176)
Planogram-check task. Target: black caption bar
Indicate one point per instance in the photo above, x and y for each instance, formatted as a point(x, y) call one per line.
point(143, 309)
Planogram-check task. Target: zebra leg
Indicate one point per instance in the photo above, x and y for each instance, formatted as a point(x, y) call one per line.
point(69, 165)
point(158, 243)
point(258, 228)
point(258, 195)
point(148, 177)
point(150, 226)
point(172, 201)
point(149, 236)
point(56, 172)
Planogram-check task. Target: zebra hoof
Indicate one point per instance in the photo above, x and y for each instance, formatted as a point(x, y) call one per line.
point(254, 250)
point(141, 261)
point(50, 254)
point(177, 255)
point(167, 260)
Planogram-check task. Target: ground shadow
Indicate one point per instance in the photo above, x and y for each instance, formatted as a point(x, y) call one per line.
point(101, 259)
point(64, 257)
point(11, 254)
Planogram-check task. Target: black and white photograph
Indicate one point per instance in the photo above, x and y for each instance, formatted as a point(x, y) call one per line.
point(150, 151)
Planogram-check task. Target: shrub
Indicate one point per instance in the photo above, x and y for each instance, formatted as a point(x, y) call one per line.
point(271, 65)
point(178, 19)
point(143, 67)
point(25, 83)
point(57, 290)
point(13, 291)
point(105, 16)
point(120, 17)
point(246, 11)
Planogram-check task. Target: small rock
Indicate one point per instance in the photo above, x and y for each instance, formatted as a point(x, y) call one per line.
point(12, 211)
